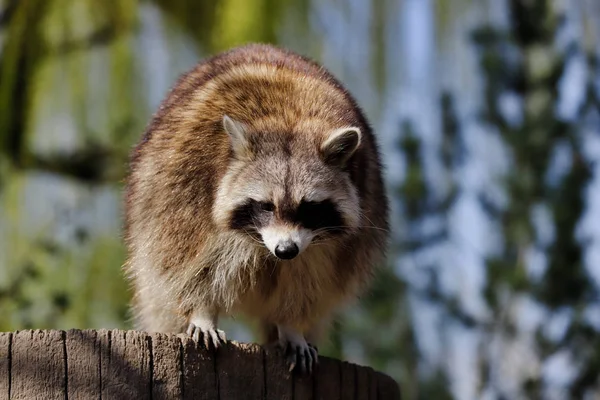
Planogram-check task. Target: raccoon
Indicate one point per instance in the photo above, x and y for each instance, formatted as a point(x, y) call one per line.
point(256, 190)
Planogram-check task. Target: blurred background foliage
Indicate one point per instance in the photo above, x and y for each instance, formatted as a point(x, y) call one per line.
point(488, 116)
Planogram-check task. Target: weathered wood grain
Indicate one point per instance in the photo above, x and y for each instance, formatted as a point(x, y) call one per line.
point(83, 363)
point(348, 377)
point(241, 374)
point(366, 390)
point(5, 361)
point(38, 365)
point(199, 376)
point(125, 365)
point(114, 364)
point(304, 387)
point(167, 362)
point(328, 380)
point(279, 379)
point(387, 388)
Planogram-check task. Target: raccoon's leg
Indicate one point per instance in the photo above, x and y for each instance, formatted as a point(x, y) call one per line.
point(268, 333)
point(155, 319)
point(298, 353)
point(152, 312)
point(317, 333)
point(203, 328)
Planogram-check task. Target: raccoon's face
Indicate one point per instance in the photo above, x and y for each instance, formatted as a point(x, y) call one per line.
point(286, 193)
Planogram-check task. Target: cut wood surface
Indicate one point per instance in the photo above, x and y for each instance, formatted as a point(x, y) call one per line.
point(115, 364)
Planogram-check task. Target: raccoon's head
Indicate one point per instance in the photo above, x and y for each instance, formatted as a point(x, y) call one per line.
point(287, 191)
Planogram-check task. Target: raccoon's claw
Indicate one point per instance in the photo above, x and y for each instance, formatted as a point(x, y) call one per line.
point(209, 337)
point(302, 357)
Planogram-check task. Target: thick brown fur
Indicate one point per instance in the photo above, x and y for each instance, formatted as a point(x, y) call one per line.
point(181, 253)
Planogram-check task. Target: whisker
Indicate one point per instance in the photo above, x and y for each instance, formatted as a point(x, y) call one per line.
point(372, 224)
point(373, 227)
point(329, 228)
point(253, 238)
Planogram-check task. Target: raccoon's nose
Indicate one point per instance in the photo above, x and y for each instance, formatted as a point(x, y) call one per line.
point(286, 250)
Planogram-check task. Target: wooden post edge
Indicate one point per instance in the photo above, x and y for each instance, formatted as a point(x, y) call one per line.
point(116, 364)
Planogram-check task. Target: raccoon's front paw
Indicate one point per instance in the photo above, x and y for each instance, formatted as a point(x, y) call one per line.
point(209, 337)
point(300, 355)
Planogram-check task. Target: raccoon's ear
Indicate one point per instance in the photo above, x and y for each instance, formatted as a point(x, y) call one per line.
point(237, 136)
point(340, 145)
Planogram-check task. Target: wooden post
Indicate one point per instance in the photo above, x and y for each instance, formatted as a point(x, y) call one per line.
point(115, 364)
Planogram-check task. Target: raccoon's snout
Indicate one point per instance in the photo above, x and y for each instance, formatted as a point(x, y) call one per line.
point(287, 250)
point(285, 242)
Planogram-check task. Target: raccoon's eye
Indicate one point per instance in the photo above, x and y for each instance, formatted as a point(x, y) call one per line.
point(266, 206)
point(320, 214)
